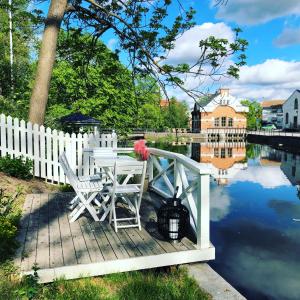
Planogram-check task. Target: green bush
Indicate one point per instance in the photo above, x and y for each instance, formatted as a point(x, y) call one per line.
point(9, 219)
point(16, 167)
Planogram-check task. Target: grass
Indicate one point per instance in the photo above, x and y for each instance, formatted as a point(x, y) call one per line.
point(146, 285)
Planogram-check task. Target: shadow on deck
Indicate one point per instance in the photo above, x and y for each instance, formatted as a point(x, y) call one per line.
point(88, 248)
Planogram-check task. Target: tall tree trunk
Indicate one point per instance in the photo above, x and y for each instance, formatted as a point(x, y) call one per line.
point(39, 97)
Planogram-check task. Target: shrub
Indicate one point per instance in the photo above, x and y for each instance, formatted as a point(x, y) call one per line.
point(16, 167)
point(9, 218)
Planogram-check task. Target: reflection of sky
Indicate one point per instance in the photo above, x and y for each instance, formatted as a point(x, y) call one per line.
point(267, 176)
point(257, 242)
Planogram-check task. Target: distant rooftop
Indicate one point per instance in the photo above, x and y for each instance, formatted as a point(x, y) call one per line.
point(164, 103)
point(270, 103)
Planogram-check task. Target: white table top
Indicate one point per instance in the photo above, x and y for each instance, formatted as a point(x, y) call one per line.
point(106, 161)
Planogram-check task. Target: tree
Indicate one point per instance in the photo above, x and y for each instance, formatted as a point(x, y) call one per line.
point(150, 117)
point(176, 115)
point(89, 78)
point(23, 38)
point(142, 29)
point(254, 115)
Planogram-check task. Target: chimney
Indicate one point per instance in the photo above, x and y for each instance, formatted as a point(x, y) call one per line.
point(224, 92)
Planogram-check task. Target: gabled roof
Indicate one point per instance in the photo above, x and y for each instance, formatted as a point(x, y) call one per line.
point(270, 103)
point(225, 100)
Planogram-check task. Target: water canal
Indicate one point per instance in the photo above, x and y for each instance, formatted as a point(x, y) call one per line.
point(255, 216)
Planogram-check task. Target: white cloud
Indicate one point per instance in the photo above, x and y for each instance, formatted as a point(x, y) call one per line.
point(274, 78)
point(288, 37)
point(252, 12)
point(268, 177)
point(187, 46)
point(112, 43)
point(219, 203)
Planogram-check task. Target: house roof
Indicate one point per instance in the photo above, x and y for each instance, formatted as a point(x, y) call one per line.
point(270, 103)
point(80, 119)
point(224, 100)
point(164, 103)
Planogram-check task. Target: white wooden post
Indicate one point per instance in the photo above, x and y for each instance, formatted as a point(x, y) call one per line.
point(23, 141)
point(3, 135)
point(42, 152)
point(9, 136)
point(49, 148)
point(29, 141)
point(36, 147)
point(203, 213)
point(55, 155)
point(16, 137)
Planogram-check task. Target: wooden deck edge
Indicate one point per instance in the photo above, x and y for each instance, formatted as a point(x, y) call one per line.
point(124, 265)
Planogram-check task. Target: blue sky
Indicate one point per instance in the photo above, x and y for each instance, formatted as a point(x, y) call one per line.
point(272, 28)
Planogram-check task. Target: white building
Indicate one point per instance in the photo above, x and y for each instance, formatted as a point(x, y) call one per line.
point(291, 113)
point(272, 112)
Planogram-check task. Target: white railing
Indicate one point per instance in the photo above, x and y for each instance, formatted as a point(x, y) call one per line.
point(273, 133)
point(167, 170)
point(44, 145)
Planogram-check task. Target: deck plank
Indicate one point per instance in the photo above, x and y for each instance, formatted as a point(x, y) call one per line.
point(150, 242)
point(114, 241)
point(129, 245)
point(31, 236)
point(55, 242)
point(68, 249)
point(138, 241)
point(90, 239)
point(23, 227)
point(43, 253)
point(104, 245)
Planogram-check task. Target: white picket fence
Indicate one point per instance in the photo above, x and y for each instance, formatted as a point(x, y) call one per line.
point(44, 145)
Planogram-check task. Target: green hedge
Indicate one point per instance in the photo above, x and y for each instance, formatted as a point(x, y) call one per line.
point(16, 167)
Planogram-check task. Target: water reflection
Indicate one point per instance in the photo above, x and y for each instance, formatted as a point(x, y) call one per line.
point(223, 159)
point(254, 204)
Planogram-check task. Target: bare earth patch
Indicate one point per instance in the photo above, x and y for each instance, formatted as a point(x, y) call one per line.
point(34, 185)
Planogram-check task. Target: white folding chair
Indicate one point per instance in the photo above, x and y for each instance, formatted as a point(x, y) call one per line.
point(86, 191)
point(123, 188)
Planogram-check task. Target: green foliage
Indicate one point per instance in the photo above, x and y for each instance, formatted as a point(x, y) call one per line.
point(176, 115)
point(150, 117)
point(254, 116)
point(89, 78)
point(23, 40)
point(9, 218)
point(16, 167)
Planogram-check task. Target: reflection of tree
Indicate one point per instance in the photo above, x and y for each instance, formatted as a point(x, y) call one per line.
point(253, 151)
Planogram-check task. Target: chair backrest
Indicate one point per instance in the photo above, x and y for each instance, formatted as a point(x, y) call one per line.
point(104, 152)
point(130, 168)
point(67, 169)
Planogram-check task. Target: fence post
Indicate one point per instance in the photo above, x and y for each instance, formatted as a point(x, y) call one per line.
point(203, 212)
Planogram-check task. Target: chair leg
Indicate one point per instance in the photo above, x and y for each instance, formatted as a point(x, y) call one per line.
point(85, 204)
point(137, 213)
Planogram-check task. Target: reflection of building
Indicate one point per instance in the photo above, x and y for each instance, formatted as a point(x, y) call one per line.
point(291, 118)
point(290, 166)
point(270, 156)
point(221, 112)
point(223, 159)
point(272, 112)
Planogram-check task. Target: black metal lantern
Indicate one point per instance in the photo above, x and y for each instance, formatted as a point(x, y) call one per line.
point(173, 219)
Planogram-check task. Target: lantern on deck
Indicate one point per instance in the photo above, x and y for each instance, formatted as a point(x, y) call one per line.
point(173, 219)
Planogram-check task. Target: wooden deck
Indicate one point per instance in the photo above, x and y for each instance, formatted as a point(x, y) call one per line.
point(88, 248)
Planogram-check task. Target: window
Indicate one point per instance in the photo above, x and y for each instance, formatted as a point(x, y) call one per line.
point(287, 118)
point(216, 152)
point(223, 121)
point(230, 122)
point(293, 171)
point(229, 151)
point(296, 104)
point(217, 122)
point(222, 152)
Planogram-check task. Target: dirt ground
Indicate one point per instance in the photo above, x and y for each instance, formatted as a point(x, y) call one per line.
point(11, 184)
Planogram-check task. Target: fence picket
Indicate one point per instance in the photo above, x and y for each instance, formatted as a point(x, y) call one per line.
point(16, 137)
point(9, 135)
point(3, 143)
point(44, 146)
